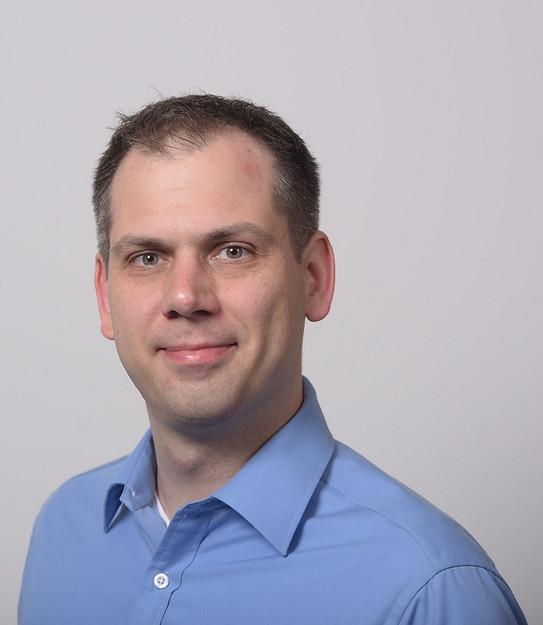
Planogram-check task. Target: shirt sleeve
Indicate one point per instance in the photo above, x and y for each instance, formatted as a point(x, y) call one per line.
point(464, 595)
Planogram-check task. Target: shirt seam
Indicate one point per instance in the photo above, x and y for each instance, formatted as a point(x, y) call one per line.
point(413, 537)
point(440, 572)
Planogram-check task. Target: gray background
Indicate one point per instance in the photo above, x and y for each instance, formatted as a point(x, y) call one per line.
point(427, 119)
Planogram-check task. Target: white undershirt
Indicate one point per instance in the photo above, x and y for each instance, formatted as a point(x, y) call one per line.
point(161, 511)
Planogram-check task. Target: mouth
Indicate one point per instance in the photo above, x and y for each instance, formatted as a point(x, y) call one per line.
point(205, 354)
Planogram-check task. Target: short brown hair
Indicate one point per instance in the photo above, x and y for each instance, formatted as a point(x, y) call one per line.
point(187, 123)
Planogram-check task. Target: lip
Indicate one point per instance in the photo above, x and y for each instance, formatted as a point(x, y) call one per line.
point(197, 354)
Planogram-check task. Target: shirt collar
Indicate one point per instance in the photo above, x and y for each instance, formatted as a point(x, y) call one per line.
point(135, 484)
point(271, 491)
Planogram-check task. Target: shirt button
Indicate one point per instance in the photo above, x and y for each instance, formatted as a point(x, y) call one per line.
point(161, 581)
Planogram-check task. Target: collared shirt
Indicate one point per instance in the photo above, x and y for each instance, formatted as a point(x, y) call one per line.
point(308, 531)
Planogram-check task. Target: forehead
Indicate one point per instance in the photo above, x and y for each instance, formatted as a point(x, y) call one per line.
point(232, 148)
point(238, 157)
point(231, 176)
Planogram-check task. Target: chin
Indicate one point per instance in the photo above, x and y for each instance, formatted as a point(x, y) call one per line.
point(194, 405)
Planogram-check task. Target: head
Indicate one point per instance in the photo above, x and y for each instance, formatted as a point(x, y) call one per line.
point(204, 296)
point(188, 123)
point(210, 261)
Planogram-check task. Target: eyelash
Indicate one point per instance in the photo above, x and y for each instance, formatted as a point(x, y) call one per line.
point(140, 256)
point(239, 248)
point(224, 249)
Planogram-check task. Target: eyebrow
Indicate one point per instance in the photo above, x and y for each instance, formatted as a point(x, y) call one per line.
point(239, 229)
point(233, 231)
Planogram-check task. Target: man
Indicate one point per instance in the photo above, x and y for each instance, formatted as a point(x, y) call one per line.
point(237, 507)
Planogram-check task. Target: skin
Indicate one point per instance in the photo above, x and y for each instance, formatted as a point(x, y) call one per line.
point(206, 303)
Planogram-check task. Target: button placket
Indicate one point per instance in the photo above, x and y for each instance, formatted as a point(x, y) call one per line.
point(174, 554)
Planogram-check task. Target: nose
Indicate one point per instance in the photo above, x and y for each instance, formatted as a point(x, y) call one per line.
point(189, 290)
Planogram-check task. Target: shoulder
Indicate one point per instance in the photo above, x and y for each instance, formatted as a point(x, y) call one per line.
point(435, 570)
point(100, 476)
point(394, 509)
point(464, 594)
point(86, 490)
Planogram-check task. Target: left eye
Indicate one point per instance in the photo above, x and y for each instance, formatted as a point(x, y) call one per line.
point(232, 252)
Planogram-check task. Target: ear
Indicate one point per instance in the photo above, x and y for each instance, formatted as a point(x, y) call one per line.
point(102, 294)
point(319, 264)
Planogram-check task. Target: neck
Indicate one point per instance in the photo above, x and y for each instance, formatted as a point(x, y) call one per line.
point(193, 465)
point(190, 472)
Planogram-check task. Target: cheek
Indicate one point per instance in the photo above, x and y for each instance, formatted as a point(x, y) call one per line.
point(130, 316)
point(274, 314)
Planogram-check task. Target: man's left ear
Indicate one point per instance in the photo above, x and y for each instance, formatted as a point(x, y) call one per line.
point(319, 264)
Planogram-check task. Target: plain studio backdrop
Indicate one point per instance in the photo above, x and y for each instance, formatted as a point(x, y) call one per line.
point(427, 120)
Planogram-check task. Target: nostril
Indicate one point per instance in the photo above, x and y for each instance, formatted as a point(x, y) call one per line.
point(174, 314)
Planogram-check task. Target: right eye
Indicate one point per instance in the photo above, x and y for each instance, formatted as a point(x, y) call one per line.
point(147, 259)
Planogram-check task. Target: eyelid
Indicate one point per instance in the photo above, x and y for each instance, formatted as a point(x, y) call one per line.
point(242, 246)
point(248, 250)
point(139, 255)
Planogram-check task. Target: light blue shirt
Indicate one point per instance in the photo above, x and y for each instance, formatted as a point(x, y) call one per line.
point(307, 532)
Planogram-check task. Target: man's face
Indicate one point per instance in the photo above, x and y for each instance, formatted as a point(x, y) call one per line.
point(203, 294)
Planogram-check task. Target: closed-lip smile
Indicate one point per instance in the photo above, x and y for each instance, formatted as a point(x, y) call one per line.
point(198, 354)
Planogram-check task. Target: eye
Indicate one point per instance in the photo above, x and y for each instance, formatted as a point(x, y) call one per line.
point(232, 252)
point(147, 259)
